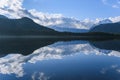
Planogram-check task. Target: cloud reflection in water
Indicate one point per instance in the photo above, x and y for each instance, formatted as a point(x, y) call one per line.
point(13, 63)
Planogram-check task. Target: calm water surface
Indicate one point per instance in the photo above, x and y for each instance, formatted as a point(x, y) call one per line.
point(51, 59)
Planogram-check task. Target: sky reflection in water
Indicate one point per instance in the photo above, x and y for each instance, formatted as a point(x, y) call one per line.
point(71, 60)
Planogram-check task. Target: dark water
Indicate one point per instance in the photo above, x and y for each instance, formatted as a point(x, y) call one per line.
point(52, 59)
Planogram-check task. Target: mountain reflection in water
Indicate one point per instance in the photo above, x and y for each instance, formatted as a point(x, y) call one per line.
point(108, 45)
point(55, 59)
point(24, 46)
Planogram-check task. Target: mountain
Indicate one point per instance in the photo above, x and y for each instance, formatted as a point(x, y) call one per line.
point(107, 28)
point(3, 17)
point(23, 26)
point(105, 21)
point(27, 27)
point(64, 24)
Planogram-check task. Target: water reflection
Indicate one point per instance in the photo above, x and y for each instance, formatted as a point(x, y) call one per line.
point(36, 59)
point(24, 46)
point(107, 45)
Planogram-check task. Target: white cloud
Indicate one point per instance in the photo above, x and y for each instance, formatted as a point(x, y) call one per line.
point(11, 4)
point(118, 70)
point(34, 76)
point(114, 53)
point(42, 76)
point(104, 70)
point(115, 19)
point(12, 64)
point(115, 4)
point(104, 1)
point(115, 68)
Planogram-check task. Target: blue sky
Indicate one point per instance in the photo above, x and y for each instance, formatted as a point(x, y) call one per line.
point(80, 9)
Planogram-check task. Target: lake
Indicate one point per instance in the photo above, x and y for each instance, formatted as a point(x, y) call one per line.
point(54, 59)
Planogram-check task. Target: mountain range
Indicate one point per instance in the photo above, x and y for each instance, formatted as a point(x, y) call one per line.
point(69, 24)
point(26, 26)
point(74, 25)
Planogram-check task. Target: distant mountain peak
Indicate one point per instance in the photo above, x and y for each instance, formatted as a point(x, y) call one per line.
point(26, 19)
point(105, 21)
